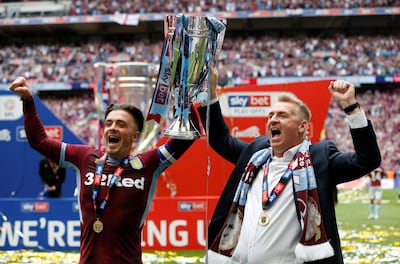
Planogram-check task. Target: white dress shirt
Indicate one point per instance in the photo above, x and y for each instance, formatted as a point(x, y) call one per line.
point(275, 242)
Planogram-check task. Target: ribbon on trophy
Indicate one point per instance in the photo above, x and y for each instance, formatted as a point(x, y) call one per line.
point(217, 38)
point(160, 101)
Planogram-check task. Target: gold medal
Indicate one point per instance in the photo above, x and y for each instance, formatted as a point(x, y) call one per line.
point(263, 219)
point(98, 226)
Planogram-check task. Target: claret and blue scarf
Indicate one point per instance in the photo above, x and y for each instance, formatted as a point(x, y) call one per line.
point(313, 243)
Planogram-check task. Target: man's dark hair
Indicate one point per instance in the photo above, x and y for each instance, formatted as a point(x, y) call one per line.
point(134, 111)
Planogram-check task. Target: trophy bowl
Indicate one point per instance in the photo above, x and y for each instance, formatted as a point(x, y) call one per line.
point(195, 46)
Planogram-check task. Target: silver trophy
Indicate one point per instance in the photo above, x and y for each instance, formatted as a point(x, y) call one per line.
point(130, 83)
point(195, 47)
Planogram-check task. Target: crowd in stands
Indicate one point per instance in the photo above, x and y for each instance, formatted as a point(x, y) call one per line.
point(381, 105)
point(102, 7)
point(338, 55)
point(241, 57)
point(80, 7)
point(383, 108)
point(78, 113)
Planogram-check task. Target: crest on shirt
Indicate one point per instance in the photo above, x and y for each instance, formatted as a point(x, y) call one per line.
point(136, 163)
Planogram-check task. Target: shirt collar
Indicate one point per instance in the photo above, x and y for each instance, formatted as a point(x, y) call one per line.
point(288, 154)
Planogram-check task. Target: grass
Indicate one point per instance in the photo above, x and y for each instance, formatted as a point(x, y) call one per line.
point(174, 257)
point(369, 241)
point(353, 209)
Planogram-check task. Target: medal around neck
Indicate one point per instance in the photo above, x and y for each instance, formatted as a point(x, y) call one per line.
point(263, 219)
point(98, 226)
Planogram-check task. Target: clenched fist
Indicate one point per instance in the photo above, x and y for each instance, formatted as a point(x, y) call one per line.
point(343, 92)
point(21, 87)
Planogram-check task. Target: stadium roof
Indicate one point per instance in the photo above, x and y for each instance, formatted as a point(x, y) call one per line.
point(258, 20)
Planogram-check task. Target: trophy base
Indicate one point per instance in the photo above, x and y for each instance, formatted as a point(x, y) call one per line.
point(182, 130)
point(184, 135)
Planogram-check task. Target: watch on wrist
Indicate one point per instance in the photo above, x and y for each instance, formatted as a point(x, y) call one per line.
point(350, 108)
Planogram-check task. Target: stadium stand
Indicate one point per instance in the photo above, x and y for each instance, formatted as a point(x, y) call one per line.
point(242, 57)
point(34, 8)
point(266, 41)
point(101, 7)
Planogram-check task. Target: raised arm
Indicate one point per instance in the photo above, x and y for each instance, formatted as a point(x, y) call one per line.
point(34, 129)
point(220, 139)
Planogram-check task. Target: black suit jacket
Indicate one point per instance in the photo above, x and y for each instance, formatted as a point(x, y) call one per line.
point(330, 165)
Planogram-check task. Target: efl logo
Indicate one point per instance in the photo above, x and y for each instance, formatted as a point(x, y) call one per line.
point(54, 132)
point(249, 101)
point(10, 107)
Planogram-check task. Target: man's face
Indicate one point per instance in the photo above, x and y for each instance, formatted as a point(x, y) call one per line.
point(120, 131)
point(285, 127)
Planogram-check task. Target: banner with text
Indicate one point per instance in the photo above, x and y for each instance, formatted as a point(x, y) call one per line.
point(53, 224)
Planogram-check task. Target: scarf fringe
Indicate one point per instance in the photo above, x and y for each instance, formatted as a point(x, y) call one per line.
point(313, 252)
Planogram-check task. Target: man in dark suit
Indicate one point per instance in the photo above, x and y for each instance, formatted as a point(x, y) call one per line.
point(52, 176)
point(278, 204)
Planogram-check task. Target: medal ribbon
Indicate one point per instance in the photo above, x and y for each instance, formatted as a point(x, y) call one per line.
point(268, 200)
point(100, 163)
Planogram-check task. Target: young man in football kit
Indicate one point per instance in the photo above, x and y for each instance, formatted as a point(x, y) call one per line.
point(115, 189)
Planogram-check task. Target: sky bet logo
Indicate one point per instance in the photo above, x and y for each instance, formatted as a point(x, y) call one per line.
point(192, 206)
point(37, 207)
point(249, 101)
